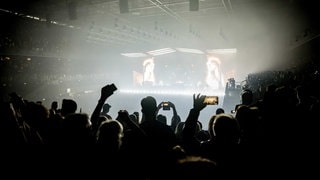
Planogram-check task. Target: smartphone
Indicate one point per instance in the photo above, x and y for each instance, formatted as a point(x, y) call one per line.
point(114, 88)
point(165, 106)
point(211, 100)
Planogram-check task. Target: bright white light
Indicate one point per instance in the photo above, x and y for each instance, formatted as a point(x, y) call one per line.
point(134, 54)
point(195, 51)
point(161, 51)
point(172, 92)
point(222, 51)
point(88, 91)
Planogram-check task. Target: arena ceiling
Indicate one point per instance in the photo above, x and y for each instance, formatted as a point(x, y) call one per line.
point(165, 23)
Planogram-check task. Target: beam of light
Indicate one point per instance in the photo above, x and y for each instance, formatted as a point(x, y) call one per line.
point(187, 50)
point(172, 92)
point(222, 51)
point(161, 51)
point(88, 91)
point(134, 54)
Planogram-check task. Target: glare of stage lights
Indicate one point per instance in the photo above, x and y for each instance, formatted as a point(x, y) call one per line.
point(171, 92)
point(134, 54)
point(222, 51)
point(161, 51)
point(187, 50)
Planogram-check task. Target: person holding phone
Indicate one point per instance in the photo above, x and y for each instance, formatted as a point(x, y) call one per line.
point(167, 106)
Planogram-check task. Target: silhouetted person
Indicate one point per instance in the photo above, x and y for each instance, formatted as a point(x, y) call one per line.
point(134, 118)
point(219, 111)
point(68, 106)
point(213, 74)
point(160, 137)
point(110, 135)
point(162, 118)
point(189, 141)
point(223, 147)
point(54, 108)
point(96, 119)
point(175, 117)
point(246, 98)
point(248, 118)
point(160, 134)
point(137, 116)
point(105, 110)
point(148, 73)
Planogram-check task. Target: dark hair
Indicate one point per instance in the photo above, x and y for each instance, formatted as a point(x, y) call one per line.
point(219, 111)
point(149, 104)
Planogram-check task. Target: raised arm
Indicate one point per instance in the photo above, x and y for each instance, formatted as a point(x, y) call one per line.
point(106, 92)
point(191, 122)
point(175, 118)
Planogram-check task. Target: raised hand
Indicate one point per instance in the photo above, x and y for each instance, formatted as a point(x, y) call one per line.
point(171, 104)
point(107, 91)
point(198, 102)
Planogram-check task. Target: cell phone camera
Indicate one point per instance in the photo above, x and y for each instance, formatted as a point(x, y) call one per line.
point(165, 106)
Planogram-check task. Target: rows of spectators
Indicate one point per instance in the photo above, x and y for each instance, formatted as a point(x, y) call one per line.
point(277, 114)
point(31, 37)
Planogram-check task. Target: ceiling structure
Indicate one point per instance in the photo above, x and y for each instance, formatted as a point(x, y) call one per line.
point(96, 31)
point(154, 24)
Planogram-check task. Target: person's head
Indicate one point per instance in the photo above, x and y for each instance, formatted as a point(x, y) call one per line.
point(149, 106)
point(149, 64)
point(219, 111)
point(246, 97)
point(161, 118)
point(110, 133)
point(54, 105)
point(212, 63)
point(226, 129)
point(134, 118)
point(106, 107)
point(68, 106)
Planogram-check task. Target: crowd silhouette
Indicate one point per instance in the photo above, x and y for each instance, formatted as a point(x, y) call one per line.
point(270, 123)
point(272, 132)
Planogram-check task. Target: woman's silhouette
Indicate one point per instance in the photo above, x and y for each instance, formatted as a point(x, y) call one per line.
point(148, 74)
point(213, 76)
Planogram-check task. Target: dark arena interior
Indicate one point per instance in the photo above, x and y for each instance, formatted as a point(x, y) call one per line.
point(172, 50)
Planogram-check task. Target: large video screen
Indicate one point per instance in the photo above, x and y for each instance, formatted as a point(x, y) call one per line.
point(181, 72)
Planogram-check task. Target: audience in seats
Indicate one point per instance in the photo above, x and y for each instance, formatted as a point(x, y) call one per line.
point(258, 137)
